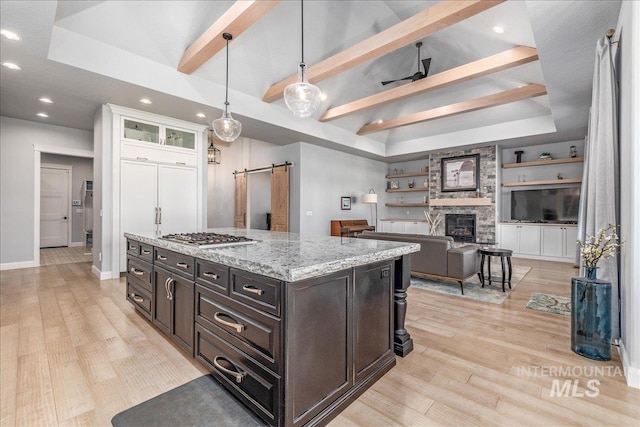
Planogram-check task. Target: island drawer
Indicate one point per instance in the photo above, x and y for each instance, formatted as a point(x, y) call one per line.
point(175, 262)
point(146, 252)
point(133, 247)
point(141, 271)
point(253, 332)
point(257, 291)
point(139, 297)
point(253, 385)
point(212, 275)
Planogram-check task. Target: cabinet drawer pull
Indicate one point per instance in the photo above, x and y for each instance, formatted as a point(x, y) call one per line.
point(182, 264)
point(132, 247)
point(239, 327)
point(144, 252)
point(210, 275)
point(136, 298)
point(181, 163)
point(142, 158)
point(162, 258)
point(136, 272)
point(252, 289)
point(239, 376)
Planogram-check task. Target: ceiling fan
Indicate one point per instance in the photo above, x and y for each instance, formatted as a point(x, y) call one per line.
point(419, 75)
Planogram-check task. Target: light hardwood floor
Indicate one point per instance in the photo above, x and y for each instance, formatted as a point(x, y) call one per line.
point(74, 352)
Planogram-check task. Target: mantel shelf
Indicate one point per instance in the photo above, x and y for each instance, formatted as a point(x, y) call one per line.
point(471, 201)
point(406, 190)
point(543, 162)
point(407, 175)
point(548, 182)
point(407, 205)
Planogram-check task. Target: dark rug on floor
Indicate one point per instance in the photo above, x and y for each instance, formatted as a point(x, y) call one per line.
point(201, 402)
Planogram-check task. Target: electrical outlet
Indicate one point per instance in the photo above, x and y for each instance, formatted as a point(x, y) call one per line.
point(76, 203)
point(100, 256)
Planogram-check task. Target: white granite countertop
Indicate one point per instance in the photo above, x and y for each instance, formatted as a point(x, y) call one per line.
point(289, 256)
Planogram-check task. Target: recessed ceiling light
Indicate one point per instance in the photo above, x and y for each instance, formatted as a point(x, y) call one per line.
point(45, 100)
point(498, 29)
point(145, 101)
point(9, 34)
point(45, 115)
point(201, 115)
point(323, 96)
point(11, 66)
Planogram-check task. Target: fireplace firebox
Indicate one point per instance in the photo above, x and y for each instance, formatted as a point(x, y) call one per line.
point(462, 227)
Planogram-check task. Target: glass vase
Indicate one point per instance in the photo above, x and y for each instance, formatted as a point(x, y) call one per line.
point(591, 316)
point(590, 272)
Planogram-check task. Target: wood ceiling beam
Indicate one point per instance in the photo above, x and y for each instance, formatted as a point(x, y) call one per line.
point(529, 91)
point(492, 64)
point(240, 16)
point(430, 20)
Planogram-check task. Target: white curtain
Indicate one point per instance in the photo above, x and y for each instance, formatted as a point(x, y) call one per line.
point(600, 187)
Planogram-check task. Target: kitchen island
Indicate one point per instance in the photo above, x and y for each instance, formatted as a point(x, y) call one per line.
point(294, 326)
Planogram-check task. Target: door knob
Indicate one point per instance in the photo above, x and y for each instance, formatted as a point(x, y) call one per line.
point(64, 217)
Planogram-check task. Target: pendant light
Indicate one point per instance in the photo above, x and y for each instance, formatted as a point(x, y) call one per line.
point(226, 127)
point(302, 97)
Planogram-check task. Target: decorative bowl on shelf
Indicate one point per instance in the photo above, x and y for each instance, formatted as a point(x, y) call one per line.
point(545, 156)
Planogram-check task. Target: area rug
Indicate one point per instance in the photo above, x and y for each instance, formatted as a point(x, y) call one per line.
point(201, 402)
point(472, 287)
point(550, 303)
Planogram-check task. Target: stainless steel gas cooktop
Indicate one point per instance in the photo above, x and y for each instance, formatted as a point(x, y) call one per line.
point(208, 240)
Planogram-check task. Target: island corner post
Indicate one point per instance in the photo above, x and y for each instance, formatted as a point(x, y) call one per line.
point(402, 341)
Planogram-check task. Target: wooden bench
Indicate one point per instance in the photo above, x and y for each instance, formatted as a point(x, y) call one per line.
point(349, 227)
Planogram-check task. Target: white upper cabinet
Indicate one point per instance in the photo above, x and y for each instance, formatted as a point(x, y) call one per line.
point(144, 140)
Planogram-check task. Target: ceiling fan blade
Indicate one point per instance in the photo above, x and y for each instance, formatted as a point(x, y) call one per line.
point(392, 81)
point(426, 63)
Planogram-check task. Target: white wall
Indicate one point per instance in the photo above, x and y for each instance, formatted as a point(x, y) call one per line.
point(17, 187)
point(325, 176)
point(259, 188)
point(245, 153)
point(628, 32)
point(82, 170)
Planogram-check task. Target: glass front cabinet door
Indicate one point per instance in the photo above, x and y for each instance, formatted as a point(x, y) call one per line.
point(136, 130)
point(179, 138)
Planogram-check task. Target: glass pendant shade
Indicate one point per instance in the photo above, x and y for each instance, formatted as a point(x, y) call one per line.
point(302, 98)
point(226, 127)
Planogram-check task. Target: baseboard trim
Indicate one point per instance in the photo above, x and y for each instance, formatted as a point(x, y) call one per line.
point(632, 373)
point(102, 275)
point(76, 244)
point(17, 265)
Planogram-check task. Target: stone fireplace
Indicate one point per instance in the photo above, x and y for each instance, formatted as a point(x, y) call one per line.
point(462, 227)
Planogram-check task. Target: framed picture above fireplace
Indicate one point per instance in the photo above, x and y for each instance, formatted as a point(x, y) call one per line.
point(460, 173)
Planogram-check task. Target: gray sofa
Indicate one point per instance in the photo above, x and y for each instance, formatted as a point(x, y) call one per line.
point(437, 256)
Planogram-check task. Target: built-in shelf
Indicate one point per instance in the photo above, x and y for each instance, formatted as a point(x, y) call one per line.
point(407, 175)
point(406, 190)
point(547, 182)
point(471, 201)
point(406, 205)
point(543, 162)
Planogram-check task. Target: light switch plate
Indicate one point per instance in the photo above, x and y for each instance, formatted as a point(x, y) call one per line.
point(76, 203)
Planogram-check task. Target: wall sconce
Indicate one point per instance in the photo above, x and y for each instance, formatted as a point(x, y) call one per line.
point(213, 155)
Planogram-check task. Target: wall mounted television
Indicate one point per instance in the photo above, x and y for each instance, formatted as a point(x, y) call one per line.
point(547, 205)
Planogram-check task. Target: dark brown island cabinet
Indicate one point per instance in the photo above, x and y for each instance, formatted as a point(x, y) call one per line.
point(296, 353)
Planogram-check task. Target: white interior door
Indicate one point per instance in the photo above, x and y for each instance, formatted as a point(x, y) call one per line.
point(177, 199)
point(54, 207)
point(138, 201)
